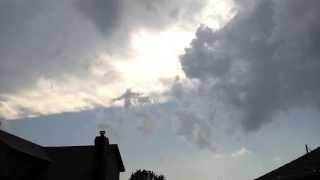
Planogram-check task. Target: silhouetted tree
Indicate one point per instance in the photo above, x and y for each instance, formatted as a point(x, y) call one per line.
point(161, 177)
point(146, 175)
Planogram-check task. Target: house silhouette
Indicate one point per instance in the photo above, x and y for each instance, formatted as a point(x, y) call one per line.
point(23, 160)
point(306, 167)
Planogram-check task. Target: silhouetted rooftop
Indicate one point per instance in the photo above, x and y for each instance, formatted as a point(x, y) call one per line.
point(23, 145)
point(66, 162)
point(61, 153)
point(305, 167)
point(64, 158)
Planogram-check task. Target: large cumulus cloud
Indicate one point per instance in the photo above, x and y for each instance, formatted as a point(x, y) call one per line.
point(264, 62)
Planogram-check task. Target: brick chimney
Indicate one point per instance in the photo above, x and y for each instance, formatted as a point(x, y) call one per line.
point(100, 156)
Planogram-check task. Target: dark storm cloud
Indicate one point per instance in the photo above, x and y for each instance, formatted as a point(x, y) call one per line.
point(264, 62)
point(40, 39)
point(103, 13)
point(129, 15)
point(13, 15)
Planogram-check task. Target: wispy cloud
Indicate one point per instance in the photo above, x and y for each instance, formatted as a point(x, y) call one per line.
point(241, 152)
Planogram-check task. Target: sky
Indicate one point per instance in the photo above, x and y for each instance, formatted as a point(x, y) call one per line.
point(189, 89)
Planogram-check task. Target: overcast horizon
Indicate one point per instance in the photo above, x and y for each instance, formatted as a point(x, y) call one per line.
point(192, 89)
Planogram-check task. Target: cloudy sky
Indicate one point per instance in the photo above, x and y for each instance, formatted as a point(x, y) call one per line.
point(192, 89)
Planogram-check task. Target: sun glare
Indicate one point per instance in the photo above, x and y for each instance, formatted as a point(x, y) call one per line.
point(217, 13)
point(154, 56)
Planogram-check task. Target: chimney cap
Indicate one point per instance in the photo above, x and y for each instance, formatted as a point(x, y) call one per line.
point(102, 133)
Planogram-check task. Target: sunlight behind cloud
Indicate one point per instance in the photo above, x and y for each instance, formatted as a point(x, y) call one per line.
point(217, 13)
point(154, 56)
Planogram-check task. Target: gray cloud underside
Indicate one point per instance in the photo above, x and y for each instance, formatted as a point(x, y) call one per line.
point(150, 14)
point(117, 19)
point(41, 39)
point(52, 39)
point(264, 62)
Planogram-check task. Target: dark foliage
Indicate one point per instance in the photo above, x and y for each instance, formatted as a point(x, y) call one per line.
point(146, 175)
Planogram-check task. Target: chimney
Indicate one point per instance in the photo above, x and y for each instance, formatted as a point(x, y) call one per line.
point(100, 149)
point(101, 141)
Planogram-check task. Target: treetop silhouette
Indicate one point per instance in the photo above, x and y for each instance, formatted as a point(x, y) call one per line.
point(146, 175)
